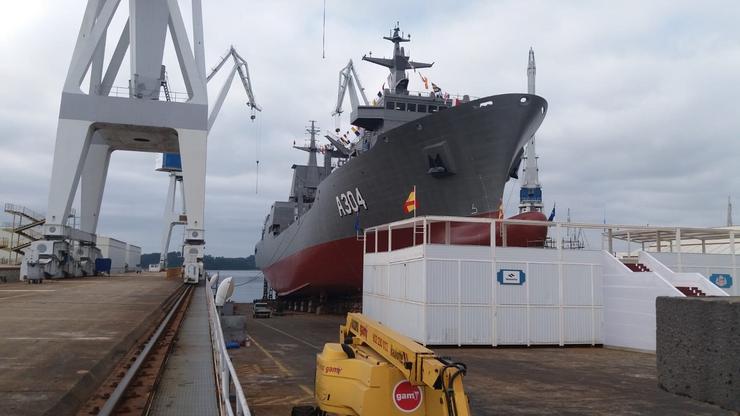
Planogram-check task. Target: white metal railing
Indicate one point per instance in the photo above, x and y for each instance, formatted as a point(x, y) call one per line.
point(608, 232)
point(20, 209)
point(179, 97)
point(226, 375)
point(421, 229)
point(678, 279)
point(440, 95)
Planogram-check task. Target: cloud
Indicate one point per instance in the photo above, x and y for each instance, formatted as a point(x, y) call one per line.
point(642, 120)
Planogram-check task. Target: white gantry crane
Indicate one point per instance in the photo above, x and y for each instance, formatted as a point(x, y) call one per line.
point(171, 163)
point(94, 122)
point(347, 79)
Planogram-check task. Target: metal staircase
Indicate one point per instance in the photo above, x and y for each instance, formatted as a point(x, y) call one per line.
point(691, 291)
point(637, 267)
point(25, 220)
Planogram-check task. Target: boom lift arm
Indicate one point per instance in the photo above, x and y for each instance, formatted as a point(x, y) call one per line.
point(240, 67)
point(347, 78)
point(377, 371)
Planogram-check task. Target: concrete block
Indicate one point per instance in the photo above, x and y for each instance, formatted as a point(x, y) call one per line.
point(227, 309)
point(698, 348)
point(9, 274)
point(234, 328)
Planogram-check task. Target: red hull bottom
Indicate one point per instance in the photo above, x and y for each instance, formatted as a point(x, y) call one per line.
point(335, 267)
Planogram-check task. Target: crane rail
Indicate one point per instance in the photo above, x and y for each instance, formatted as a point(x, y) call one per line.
point(130, 388)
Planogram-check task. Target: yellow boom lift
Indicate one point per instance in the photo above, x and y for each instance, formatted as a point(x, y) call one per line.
point(375, 371)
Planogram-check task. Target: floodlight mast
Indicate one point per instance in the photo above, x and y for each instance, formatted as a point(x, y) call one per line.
point(347, 78)
point(240, 67)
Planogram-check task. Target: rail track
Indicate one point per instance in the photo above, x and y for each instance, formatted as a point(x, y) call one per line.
point(130, 388)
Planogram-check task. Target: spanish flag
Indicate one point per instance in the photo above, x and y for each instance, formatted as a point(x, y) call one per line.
point(425, 80)
point(501, 209)
point(410, 204)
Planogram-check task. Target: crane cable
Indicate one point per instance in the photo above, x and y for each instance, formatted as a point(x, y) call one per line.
point(257, 156)
point(323, 35)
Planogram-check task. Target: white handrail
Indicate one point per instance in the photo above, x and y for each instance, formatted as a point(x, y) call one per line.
point(681, 279)
point(225, 369)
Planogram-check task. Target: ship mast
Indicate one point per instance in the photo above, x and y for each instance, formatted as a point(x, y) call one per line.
point(312, 149)
point(729, 211)
point(530, 195)
point(397, 80)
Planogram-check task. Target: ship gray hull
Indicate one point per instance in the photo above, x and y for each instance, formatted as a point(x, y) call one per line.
point(478, 142)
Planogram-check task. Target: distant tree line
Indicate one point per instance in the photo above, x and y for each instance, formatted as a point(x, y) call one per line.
point(174, 259)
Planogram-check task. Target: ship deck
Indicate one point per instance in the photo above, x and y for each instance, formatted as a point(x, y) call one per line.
point(277, 373)
point(60, 339)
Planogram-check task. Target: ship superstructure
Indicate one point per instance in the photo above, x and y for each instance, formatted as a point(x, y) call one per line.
point(457, 153)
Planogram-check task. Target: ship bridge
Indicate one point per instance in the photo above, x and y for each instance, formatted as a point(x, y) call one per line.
point(395, 109)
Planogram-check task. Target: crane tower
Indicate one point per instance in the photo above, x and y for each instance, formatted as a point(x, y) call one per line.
point(530, 194)
point(93, 123)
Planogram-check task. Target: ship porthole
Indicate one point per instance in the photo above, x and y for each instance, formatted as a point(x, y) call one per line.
point(419, 127)
point(385, 139)
point(523, 100)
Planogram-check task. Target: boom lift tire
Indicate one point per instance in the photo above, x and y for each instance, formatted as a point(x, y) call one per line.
point(306, 411)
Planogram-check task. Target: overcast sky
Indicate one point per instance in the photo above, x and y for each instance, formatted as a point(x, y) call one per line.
point(643, 124)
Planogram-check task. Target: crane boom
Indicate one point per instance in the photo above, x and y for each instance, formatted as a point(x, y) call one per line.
point(240, 67)
point(347, 79)
point(374, 370)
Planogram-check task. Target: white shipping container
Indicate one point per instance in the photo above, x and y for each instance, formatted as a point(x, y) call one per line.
point(133, 257)
point(114, 250)
point(452, 295)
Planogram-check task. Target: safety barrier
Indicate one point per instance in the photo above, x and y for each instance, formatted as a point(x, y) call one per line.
point(227, 379)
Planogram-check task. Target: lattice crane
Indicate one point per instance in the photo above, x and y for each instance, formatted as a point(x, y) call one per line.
point(347, 79)
point(241, 67)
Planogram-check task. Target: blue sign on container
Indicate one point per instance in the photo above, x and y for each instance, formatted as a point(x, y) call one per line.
point(510, 277)
point(721, 280)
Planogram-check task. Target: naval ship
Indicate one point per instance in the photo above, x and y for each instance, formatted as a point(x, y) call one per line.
point(457, 154)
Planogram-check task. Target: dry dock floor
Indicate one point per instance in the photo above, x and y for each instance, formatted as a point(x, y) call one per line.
point(60, 339)
point(277, 373)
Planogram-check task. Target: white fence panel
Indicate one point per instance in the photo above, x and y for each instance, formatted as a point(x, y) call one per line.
point(442, 281)
point(475, 325)
point(415, 281)
point(511, 325)
point(544, 325)
point(475, 282)
point(442, 325)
